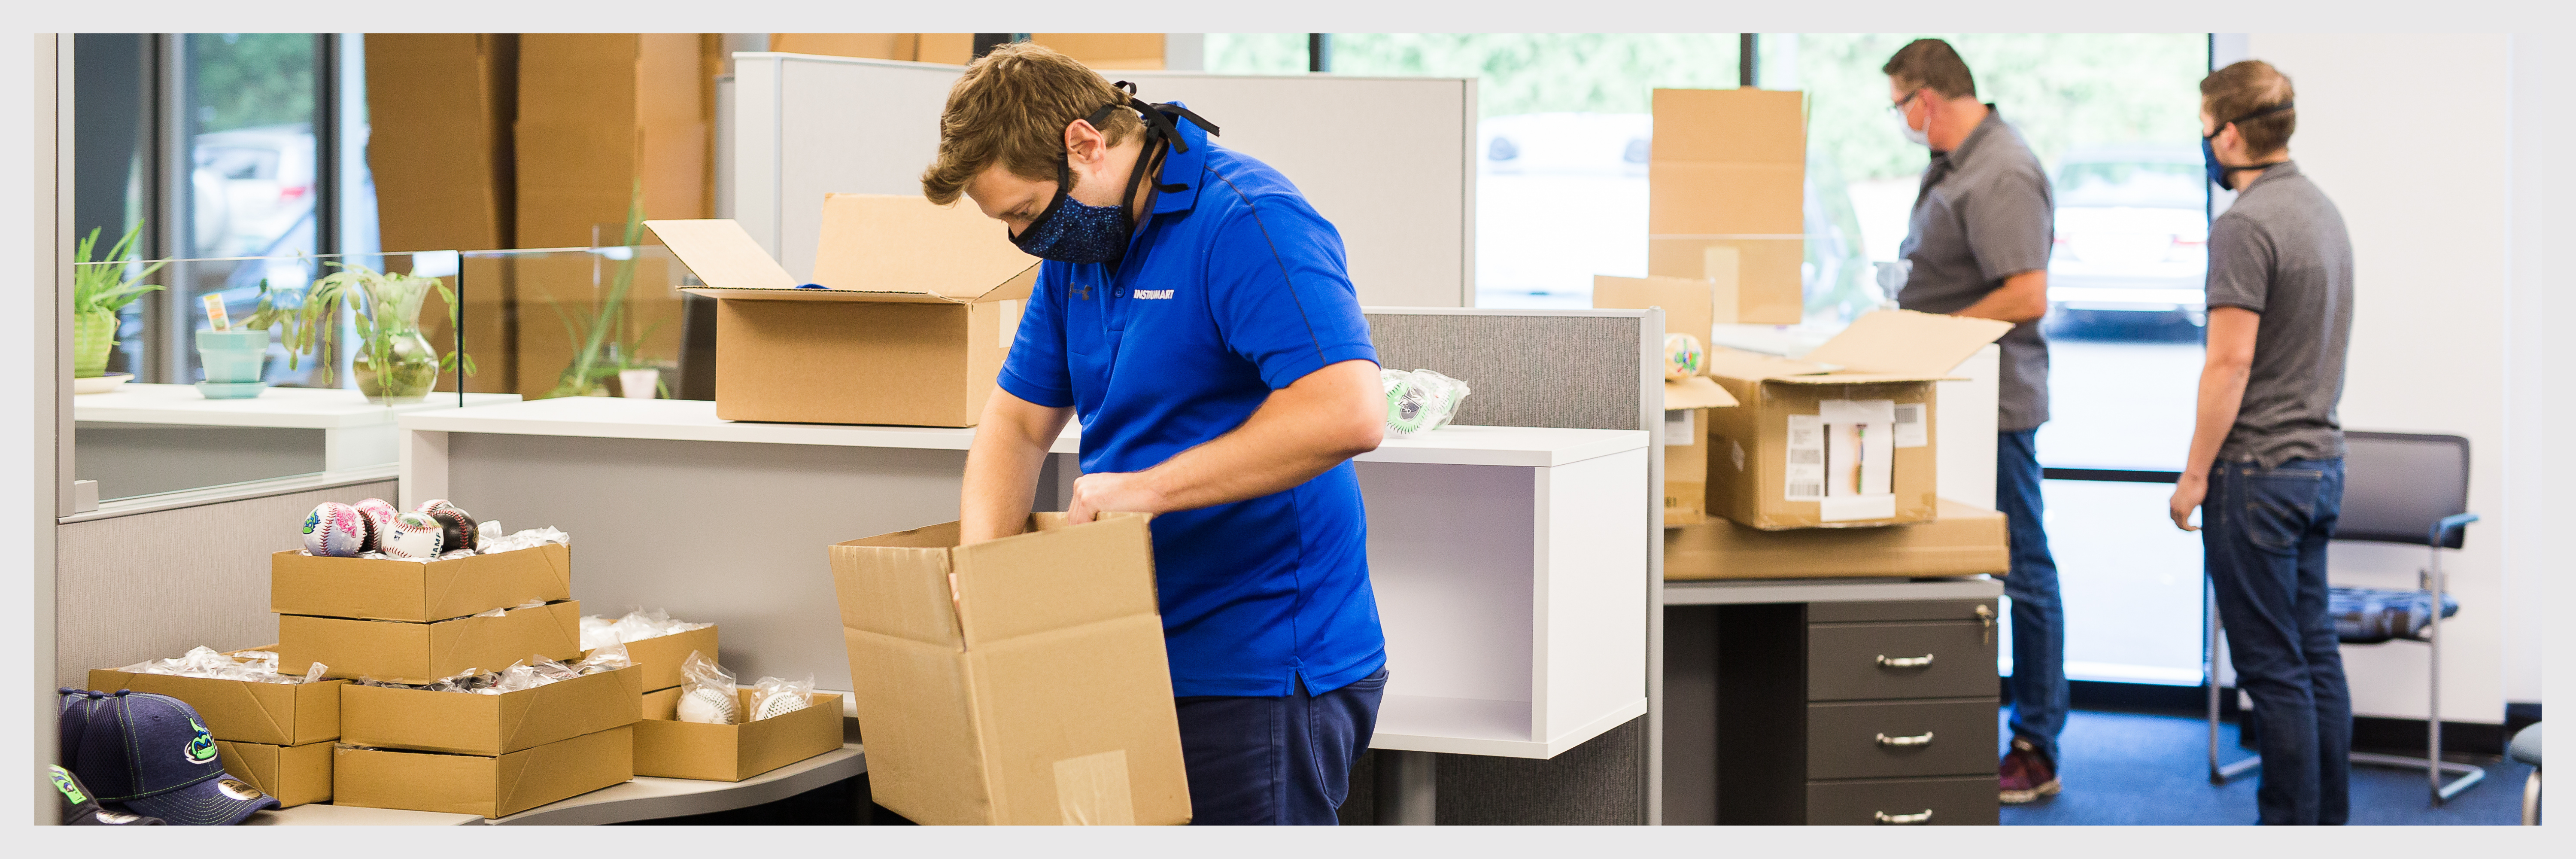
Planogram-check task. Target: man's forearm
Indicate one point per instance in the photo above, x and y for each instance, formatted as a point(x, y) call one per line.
point(1303, 430)
point(2222, 393)
point(2021, 298)
point(1000, 486)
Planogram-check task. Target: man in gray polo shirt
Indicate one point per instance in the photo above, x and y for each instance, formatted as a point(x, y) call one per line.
point(2266, 461)
point(1978, 245)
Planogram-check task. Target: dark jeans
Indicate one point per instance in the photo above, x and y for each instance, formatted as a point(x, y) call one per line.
point(2038, 681)
point(2263, 533)
point(1283, 761)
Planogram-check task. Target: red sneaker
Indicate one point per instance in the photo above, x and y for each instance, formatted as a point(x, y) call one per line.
point(2026, 775)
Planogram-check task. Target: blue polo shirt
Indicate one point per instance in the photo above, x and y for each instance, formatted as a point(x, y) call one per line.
point(1234, 287)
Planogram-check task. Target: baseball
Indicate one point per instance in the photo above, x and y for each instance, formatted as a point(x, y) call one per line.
point(456, 527)
point(781, 704)
point(413, 536)
point(333, 530)
point(706, 706)
point(1683, 356)
point(379, 515)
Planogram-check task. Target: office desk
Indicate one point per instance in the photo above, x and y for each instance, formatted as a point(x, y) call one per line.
point(144, 439)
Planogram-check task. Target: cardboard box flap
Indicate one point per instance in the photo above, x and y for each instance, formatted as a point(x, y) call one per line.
point(1058, 576)
point(1907, 343)
point(897, 585)
point(904, 244)
point(721, 254)
point(1726, 362)
point(1696, 392)
point(1691, 306)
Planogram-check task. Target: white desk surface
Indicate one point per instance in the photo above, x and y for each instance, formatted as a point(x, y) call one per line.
point(290, 408)
point(695, 420)
point(644, 798)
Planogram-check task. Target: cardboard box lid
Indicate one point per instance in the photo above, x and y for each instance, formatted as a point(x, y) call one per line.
point(875, 247)
point(1881, 346)
point(926, 588)
point(1696, 392)
point(469, 724)
point(415, 591)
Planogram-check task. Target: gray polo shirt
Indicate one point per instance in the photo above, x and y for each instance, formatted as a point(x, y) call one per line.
point(2281, 251)
point(1985, 214)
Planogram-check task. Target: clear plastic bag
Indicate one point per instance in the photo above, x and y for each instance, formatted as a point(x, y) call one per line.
point(638, 625)
point(1419, 401)
point(606, 657)
point(249, 666)
point(772, 696)
point(706, 692)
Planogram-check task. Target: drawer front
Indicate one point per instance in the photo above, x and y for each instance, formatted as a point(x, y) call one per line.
point(1921, 738)
point(1882, 611)
point(1863, 661)
point(1968, 801)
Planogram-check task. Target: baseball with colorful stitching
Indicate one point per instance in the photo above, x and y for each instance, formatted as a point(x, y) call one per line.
point(333, 530)
point(414, 536)
point(379, 515)
point(456, 525)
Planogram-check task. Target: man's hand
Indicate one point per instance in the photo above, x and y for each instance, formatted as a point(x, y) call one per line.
point(2189, 491)
point(1131, 492)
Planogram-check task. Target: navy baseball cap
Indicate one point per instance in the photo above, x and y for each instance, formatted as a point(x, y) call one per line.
point(151, 755)
point(80, 810)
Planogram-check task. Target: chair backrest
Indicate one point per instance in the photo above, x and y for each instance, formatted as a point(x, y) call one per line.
point(2397, 485)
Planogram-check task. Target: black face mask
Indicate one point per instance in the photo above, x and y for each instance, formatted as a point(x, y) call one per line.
point(1075, 232)
point(2220, 173)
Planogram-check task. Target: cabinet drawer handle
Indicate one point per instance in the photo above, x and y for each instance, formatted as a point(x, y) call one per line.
point(1916, 819)
point(1885, 661)
point(1922, 739)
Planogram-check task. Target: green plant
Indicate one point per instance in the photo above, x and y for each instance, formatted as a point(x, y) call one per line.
point(607, 337)
point(387, 307)
point(100, 287)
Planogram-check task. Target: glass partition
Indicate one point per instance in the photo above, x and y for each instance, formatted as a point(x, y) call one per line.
point(601, 321)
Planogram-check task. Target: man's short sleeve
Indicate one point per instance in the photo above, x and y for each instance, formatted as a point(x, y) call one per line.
point(2240, 264)
point(2010, 227)
point(1281, 292)
point(1035, 369)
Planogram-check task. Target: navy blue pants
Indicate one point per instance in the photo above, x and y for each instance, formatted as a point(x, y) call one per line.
point(2263, 538)
point(2038, 682)
point(1276, 761)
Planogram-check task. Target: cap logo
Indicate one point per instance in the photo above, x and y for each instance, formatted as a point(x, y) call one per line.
point(201, 748)
point(312, 521)
point(71, 790)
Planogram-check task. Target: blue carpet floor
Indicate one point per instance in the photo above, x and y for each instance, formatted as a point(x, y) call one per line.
point(2134, 769)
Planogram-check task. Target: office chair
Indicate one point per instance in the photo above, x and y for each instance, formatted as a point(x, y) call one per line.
point(2526, 748)
point(2398, 488)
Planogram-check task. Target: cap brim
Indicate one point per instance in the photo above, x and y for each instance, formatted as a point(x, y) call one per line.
point(206, 803)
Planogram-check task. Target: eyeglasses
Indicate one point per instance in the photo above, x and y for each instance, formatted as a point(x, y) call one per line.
point(1899, 107)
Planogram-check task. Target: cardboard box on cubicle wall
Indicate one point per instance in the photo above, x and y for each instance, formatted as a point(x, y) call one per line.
point(460, 723)
point(1963, 540)
point(415, 591)
point(1844, 437)
point(426, 652)
point(670, 748)
point(1726, 185)
point(296, 775)
point(473, 784)
point(661, 658)
point(918, 307)
point(1017, 681)
point(1690, 307)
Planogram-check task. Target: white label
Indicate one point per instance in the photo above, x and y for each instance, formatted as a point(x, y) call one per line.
point(1738, 450)
point(1153, 293)
point(1679, 429)
point(1010, 321)
point(1856, 507)
point(1854, 457)
point(1911, 429)
point(1806, 459)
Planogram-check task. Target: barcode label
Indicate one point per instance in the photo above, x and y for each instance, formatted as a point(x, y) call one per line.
point(1806, 456)
point(1803, 471)
point(1911, 429)
point(1806, 490)
point(1909, 413)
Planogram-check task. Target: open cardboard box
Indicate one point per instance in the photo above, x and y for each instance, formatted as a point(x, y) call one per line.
point(465, 723)
point(1964, 540)
point(277, 714)
point(1844, 437)
point(911, 310)
point(419, 653)
point(417, 591)
point(662, 657)
point(296, 775)
point(1726, 193)
point(670, 748)
point(1692, 307)
point(473, 784)
point(1019, 681)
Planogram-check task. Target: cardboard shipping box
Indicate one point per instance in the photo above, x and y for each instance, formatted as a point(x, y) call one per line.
point(1845, 436)
point(1726, 184)
point(296, 775)
point(1020, 681)
point(670, 748)
point(416, 591)
point(474, 784)
point(277, 714)
point(427, 652)
point(464, 723)
point(1690, 307)
point(1964, 540)
point(917, 307)
point(662, 657)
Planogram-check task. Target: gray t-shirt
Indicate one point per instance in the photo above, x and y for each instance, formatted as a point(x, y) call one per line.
point(1984, 214)
point(2281, 251)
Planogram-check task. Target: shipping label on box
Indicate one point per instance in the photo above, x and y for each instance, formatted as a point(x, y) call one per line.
point(670, 748)
point(662, 657)
point(1963, 540)
point(474, 784)
point(373, 589)
point(1019, 681)
point(465, 723)
point(296, 775)
point(420, 653)
point(277, 714)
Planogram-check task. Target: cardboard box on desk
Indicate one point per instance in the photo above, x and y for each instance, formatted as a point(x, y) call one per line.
point(474, 784)
point(277, 714)
point(1726, 193)
point(920, 304)
point(296, 775)
point(417, 591)
point(1844, 437)
point(1690, 307)
point(419, 653)
point(1032, 690)
point(662, 657)
point(670, 748)
point(1964, 540)
point(463, 723)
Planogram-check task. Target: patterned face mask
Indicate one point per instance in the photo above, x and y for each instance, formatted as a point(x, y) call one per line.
point(1069, 230)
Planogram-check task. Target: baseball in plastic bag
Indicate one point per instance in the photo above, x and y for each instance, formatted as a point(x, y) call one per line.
point(772, 696)
point(607, 657)
point(706, 691)
point(1683, 357)
point(1419, 401)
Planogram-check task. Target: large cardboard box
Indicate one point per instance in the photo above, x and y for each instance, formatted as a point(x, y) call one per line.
point(670, 748)
point(277, 714)
point(296, 775)
point(1726, 184)
point(474, 784)
point(372, 589)
point(1964, 540)
point(1844, 437)
point(1692, 307)
point(917, 306)
point(426, 652)
point(1019, 681)
point(467, 724)
point(662, 657)
point(440, 106)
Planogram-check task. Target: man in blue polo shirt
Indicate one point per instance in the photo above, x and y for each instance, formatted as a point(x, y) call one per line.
point(1195, 313)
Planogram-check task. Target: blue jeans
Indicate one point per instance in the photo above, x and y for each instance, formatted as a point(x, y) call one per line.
point(2263, 535)
point(2038, 681)
point(1276, 761)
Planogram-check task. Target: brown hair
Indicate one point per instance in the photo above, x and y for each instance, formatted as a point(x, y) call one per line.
point(2249, 86)
point(1011, 108)
point(1931, 63)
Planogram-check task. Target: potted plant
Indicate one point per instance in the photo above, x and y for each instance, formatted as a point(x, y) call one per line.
point(607, 342)
point(235, 353)
point(101, 289)
point(393, 361)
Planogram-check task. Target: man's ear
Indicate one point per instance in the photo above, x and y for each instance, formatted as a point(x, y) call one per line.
point(1084, 142)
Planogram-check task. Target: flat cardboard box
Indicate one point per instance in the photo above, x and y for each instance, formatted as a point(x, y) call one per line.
point(1843, 438)
point(276, 714)
point(1964, 540)
point(440, 105)
point(474, 784)
point(1020, 681)
point(1692, 307)
point(669, 748)
point(416, 591)
point(296, 775)
point(919, 305)
point(426, 652)
point(1729, 171)
point(662, 657)
point(468, 724)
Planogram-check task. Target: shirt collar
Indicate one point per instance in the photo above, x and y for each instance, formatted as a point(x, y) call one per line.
point(2283, 170)
point(1182, 168)
point(1994, 118)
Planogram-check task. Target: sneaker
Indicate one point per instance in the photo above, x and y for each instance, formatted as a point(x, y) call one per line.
point(2026, 775)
